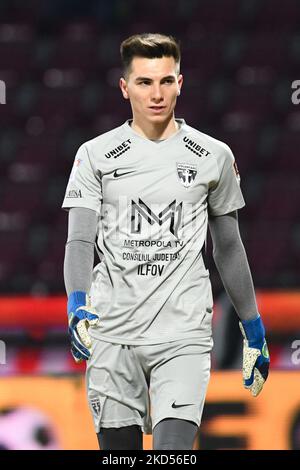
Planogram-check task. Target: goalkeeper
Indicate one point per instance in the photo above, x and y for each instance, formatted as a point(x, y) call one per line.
point(146, 193)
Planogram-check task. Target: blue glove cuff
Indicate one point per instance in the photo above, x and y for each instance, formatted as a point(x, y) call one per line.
point(76, 299)
point(255, 331)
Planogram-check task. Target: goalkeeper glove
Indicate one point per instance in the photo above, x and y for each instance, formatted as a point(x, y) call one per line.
point(81, 316)
point(256, 359)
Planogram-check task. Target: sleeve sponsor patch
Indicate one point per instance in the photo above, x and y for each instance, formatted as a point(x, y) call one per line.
point(74, 193)
point(236, 170)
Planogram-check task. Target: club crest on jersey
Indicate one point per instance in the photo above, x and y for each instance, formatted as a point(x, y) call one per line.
point(95, 403)
point(186, 173)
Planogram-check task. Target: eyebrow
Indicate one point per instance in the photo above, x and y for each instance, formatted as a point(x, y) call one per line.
point(168, 77)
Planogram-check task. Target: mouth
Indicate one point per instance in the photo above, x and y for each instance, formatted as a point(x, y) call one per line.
point(157, 109)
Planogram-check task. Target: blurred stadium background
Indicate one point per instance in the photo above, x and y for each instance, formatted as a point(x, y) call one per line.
point(59, 61)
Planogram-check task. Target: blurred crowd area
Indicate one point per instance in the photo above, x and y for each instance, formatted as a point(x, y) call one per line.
point(60, 63)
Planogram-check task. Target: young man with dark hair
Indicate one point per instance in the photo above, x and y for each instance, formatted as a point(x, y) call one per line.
point(147, 190)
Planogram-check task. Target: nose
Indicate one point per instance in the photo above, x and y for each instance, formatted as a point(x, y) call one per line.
point(156, 94)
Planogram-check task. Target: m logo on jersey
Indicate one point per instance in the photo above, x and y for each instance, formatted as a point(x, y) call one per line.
point(171, 214)
point(186, 173)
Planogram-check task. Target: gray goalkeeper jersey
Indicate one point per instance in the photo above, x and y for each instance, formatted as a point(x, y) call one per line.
point(153, 201)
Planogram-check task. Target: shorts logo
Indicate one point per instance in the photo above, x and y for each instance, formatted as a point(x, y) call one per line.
point(180, 406)
point(95, 404)
point(187, 173)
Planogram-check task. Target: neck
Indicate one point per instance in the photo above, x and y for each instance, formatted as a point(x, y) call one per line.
point(155, 131)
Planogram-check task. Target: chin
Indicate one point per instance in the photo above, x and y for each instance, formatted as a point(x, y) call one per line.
point(160, 118)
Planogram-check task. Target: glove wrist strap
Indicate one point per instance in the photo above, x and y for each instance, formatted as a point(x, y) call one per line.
point(254, 331)
point(76, 298)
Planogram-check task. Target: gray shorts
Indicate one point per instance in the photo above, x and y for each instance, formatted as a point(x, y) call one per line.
point(142, 385)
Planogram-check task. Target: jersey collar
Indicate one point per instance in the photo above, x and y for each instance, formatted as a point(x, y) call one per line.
point(180, 121)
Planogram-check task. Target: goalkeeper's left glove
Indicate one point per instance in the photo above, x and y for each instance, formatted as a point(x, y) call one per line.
point(256, 359)
point(81, 316)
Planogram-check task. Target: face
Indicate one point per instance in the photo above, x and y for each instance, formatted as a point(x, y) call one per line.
point(152, 87)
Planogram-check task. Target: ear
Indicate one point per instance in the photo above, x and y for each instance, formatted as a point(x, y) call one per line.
point(123, 87)
point(180, 82)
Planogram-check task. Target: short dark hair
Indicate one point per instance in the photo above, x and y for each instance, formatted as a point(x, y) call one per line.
point(149, 45)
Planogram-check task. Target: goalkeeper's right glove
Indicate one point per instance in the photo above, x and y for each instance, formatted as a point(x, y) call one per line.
point(81, 316)
point(256, 359)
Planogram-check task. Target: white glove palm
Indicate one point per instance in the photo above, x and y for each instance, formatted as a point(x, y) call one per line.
point(256, 359)
point(81, 317)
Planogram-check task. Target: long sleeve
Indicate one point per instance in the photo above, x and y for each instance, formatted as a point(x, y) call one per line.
point(79, 253)
point(231, 261)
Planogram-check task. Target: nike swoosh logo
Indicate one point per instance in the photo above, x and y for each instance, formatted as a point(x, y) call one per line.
point(117, 174)
point(179, 406)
